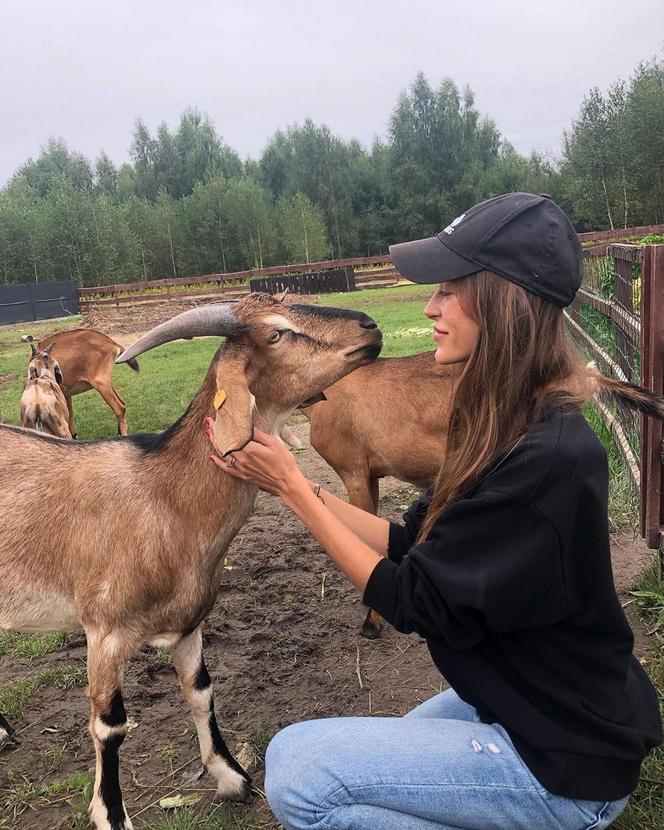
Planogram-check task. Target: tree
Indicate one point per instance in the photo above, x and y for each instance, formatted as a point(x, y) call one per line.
point(248, 215)
point(310, 160)
point(106, 176)
point(302, 231)
point(56, 162)
point(440, 149)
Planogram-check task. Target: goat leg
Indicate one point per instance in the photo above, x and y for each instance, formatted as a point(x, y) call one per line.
point(108, 727)
point(72, 423)
point(232, 781)
point(6, 733)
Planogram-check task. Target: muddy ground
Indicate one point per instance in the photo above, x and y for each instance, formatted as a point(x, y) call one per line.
point(282, 645)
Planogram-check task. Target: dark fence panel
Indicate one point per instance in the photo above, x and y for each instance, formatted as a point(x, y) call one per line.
point(321, 282)
point(37, 301)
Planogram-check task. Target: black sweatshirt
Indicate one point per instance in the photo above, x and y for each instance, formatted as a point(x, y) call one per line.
point(513, 592)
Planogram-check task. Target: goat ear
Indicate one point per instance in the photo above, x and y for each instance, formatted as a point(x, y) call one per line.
point(232, 408)
point(33, 350)
point(57, 371)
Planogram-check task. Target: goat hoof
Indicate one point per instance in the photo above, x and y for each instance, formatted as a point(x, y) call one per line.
point(234, 784)
point(244, 794)
point(370, 630)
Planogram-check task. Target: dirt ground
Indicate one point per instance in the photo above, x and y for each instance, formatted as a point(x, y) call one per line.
point(282, 645)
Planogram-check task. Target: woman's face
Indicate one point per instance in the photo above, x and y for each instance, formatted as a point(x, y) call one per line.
point(455, 333)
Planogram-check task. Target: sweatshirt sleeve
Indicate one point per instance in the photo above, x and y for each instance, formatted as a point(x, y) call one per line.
point(402, 537)
point(491, 563)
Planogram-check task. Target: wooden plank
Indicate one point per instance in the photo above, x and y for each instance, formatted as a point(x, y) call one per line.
point(629, 323)
point(622, 443)
point(652, 289)
point(621, 233)
point(622, 289)
point(629, 253)
point(603, 358)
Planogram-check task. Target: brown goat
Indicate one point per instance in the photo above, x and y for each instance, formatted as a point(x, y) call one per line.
point(135, 552)
point(43, 404)
point(86, 359)
point(385, 419)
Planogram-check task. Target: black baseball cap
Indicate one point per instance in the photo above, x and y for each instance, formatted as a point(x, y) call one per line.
point(524, 238)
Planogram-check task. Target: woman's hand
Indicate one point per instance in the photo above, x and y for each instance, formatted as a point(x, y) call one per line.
point(264, 461)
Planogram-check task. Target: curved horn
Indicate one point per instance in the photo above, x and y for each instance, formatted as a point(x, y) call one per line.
point(207, 320)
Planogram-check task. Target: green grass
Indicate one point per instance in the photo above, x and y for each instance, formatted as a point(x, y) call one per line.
point(623, 502)
point(17, 694)
point(645, 810)
point(223, 817)
point(22, 794)
point(30, 646)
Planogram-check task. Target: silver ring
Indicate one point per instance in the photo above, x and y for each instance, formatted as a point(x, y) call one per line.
point(231, 462)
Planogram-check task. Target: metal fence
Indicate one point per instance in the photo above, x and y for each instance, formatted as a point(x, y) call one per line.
point(320, 282)
point(618, 319)
point(24, 302)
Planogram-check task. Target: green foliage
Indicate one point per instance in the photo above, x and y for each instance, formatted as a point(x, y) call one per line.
point(612, 154)
point(302, 232)
point(188, 204)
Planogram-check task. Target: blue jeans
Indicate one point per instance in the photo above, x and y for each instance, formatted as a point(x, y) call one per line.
point(437, 768)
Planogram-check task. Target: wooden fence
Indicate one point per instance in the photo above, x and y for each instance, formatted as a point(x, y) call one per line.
point(367, 274)
point(618, 318)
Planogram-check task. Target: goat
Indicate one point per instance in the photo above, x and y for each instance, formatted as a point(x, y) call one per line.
point(43, 404)
point(390, 419)
point(385, 419)
point(86, 359)
point(135, 551)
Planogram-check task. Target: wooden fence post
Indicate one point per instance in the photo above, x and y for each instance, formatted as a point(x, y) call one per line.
point(652, 377)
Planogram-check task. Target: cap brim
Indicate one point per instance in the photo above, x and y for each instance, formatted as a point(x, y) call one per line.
point(430, 261)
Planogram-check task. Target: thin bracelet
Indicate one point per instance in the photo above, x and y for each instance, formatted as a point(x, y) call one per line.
point(317, 493)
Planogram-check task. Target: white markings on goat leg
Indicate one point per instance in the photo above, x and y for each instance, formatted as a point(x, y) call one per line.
point(232, 781)
point(6, 732)
point(107, 810)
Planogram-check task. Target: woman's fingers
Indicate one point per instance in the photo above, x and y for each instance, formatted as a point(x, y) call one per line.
point(225, 466)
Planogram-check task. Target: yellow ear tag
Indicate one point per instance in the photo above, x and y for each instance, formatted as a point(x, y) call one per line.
point(219, 398)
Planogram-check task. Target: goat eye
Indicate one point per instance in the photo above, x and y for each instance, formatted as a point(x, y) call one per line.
point(275, 336)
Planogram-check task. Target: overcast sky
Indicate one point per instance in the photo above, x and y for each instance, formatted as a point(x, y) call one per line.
point(84, 70)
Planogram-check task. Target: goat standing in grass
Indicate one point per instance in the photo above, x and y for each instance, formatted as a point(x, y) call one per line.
point(153, 578)
point(43, 404)
point(86, 360)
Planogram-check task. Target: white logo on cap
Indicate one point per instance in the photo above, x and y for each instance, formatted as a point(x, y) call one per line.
point(450, 228)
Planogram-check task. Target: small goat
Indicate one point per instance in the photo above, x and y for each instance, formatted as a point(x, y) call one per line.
point(135, 551)
point(86, 359)
point(390, 419)
point(43, 404)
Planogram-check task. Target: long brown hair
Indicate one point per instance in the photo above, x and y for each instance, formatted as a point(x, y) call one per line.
point(523, 356)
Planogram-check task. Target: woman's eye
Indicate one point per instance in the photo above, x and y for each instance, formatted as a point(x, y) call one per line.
point(275, 336)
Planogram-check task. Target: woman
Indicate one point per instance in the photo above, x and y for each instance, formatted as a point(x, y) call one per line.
point(503, 567)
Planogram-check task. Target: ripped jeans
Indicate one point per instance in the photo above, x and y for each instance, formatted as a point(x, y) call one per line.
point(438, 768)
